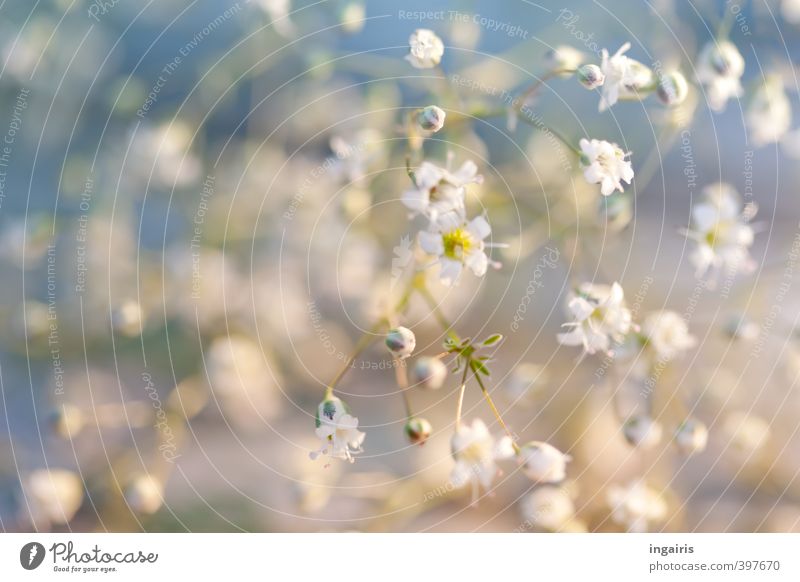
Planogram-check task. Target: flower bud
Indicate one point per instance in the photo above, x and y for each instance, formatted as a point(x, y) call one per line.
point(642, 431)
point(591, 76)
point(431, 118)
point(672, 89)
point(401, 342)
point(564, 58)
point(67, 421)
point(429, 373)
point(418, 430)
point(144, 495)
point(330, 409)
point(691, 437)
point(543, 462)
point(741, 327)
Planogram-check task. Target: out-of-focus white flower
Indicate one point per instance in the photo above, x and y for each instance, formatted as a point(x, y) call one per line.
point(672, 88)
point(338, 431)
point(721, 230)
point(431, 118)
point(740, 327)
point(418, 430)
point(458, 245)
point(145, 494)
point(591, 76)
point(476, 453)
point(691, 436)
point(127, 318)
point(429, 372)
point(53, 496)
point(352, 16)
point(564, 59)
point(667, 334)
point(605, 163)
point(357, 154)
point(426, 49)
point(746, 433)
point(547, 508)
point(543, 463)
point(768, 115)
point(67, 421)
point(278, 12)
point(720, 67)
point(642, 431)
point(636, 506)
point(401, 341)
point(525, 381)
point(790, 10)
point(624, 77)
point(438, 192)
point(601, 317)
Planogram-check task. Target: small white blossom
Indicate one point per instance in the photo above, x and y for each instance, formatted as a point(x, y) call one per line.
point(547, 508)
point(667, 334)
point(438, 192)
point(642, 431)
point(338, 431)
point(624, 76)
point(721, 230)
point(636, 506)
point(605, 163)
point(691, 437)
point(601, 317)
point(543, 463)
point(458, 245)
point(720, 68)
point(53, 496)
point(426, 49)
point(476, 453)
point(768, 115)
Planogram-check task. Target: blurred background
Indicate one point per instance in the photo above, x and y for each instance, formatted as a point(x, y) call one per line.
point(199, 213)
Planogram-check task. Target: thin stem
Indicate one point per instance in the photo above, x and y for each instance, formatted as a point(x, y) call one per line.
point(461, 391)
point(496, 412)
point(401, 375)
point(437, 312)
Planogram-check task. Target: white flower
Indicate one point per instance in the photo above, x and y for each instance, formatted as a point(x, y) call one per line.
point(476, 453)
point(721, 231)
point(543, 463)
point(338, 431)
point(591, 76)
point(769, 114)
point(672, 88)
point(547, 508)
point(667, 334)
point(623, 77)
point(691, 437)
point(458, 245)
point(601, 317)
point(278, 12)
point(790, 10)
point(431, 118)
point(642, 431)
point(720, 68)
point(401, 341)
point(605, 163)
point(636, 506)
point(426, 49)
point(145, 494)
point(740, 327)
point(53, 496)
point(438, 192)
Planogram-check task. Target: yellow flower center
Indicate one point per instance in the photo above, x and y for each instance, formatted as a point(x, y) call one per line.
point(457, 243)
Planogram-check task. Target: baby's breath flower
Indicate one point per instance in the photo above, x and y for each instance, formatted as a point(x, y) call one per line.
point(769, 114)
point(476, 453)
point(720, 67)
point(54, 496)
point(624, 77)
point(431, 118)
point(426, 49)
point(438, 192)
point(458, 245)
point(67, 421)
point(601, 317)
point(145, 494)
point(691, 436)
point(740, 327)
point(721, 230)
point(667, 334)
point(636, 506)
point(642, 431)
point(429, 372)
point(543, 463)
point(337, 430)
point(401, 341)
point(672, 88)
point(605, 163)
point(564, 59)
point(547, 508)
point(591, 76)
point(418, 430)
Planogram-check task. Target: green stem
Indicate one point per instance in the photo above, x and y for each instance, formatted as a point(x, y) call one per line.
point(496, 412)
point(461, 391)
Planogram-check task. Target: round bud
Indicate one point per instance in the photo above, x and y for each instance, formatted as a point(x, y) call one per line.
point(418, 430)
point(429, 373)
point(691, 437)
point(127, 318)
point(67, 421)
point(741, 327)
point(330, 409)
point(672, 89)
point(401, 341)
point(431, 118)
point(591, 76)
point(564, 58)
point(642, 431)
point(144, 495)
point(543, 463)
